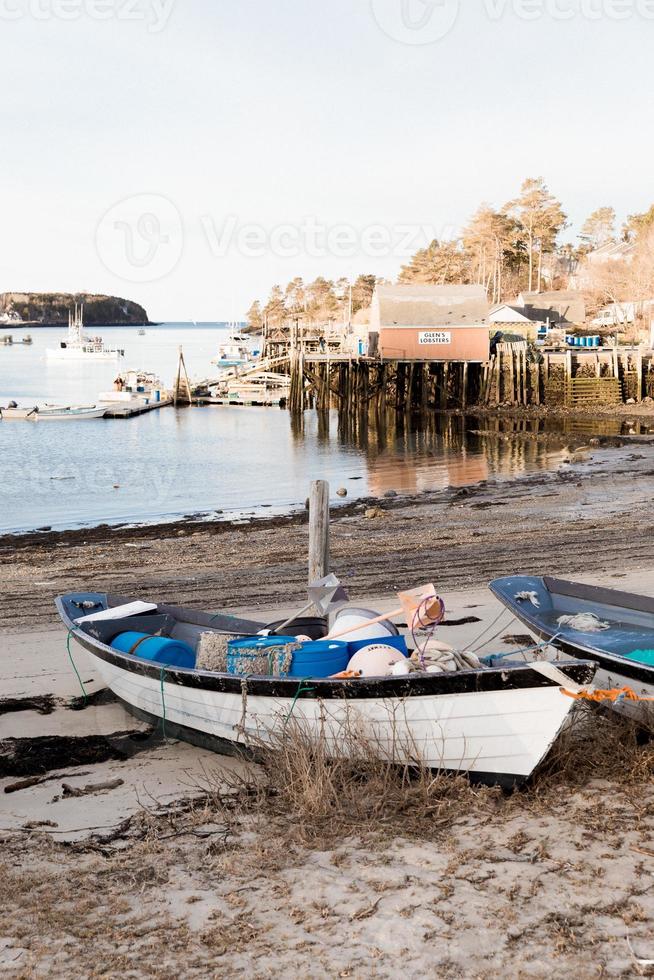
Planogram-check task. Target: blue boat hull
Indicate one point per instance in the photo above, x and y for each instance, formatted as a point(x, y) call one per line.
point(631, 627)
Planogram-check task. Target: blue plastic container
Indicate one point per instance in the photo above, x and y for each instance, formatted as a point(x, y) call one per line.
point(322, 658)
point(397, 642)
point(249, 656)
point(157, 649)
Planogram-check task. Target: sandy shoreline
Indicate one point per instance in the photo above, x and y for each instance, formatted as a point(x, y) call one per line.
point(144, 875)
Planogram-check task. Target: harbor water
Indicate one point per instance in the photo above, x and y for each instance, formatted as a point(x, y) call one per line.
point(210, 460)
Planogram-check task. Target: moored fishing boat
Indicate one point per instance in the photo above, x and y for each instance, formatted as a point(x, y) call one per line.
point(79, 347)
point(614, 629)
point(494, 724)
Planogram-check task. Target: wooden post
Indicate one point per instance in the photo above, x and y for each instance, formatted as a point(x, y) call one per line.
point(569, 397)
point(511, 359)
point(318, 530)
point(526, 379)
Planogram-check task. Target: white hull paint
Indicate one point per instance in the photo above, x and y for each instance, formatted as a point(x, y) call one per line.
point(502, 732)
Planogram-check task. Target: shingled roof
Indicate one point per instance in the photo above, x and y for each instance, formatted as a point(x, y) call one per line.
point(419, 305)
point(570, 305)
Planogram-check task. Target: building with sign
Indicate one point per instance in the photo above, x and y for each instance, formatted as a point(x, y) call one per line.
point(416, 322)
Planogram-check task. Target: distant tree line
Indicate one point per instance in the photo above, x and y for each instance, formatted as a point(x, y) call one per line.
point(316, 302)
point(53, 308)
point(506, 250)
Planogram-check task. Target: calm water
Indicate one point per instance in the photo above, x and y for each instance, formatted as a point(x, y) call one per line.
point(206, 460)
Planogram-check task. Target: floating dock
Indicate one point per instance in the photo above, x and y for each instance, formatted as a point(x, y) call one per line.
point(127, 410)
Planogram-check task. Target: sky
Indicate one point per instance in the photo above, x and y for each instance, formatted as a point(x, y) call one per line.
point(189, 154)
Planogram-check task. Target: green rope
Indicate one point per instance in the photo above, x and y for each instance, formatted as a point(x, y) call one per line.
point(303, 688)
point(70, 657)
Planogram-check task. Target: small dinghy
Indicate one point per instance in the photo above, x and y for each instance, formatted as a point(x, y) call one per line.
point(615, 629)
point(52, 413)
point(494, 724)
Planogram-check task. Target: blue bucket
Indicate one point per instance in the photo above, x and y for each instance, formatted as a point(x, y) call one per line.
point(320, 659)
point(157, 649)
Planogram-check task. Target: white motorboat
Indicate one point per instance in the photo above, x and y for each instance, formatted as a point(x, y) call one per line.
point(52, 413)
point(236, 351)
point(78, 346)
point(495, 724)
point(137, 387)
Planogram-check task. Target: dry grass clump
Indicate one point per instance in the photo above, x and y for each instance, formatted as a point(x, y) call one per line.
point(322, 797)
point(599, 744)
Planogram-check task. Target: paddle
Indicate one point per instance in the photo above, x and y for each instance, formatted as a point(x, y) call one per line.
point(423, 608)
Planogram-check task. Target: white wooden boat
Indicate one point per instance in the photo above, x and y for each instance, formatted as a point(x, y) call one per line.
point(494, 724)
point(53, 413)
point(78, 347)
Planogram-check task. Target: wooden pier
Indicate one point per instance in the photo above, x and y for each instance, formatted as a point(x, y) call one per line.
point(515, 375)
point(326, 370)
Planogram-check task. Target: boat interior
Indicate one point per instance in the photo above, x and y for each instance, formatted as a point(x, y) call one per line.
point(628, 619)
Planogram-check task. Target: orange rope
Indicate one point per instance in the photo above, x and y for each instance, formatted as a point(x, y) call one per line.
point(624, 694)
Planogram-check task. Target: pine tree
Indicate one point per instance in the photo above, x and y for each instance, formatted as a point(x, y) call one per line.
point(438, 264)
point(542, 219)
point(598, 228)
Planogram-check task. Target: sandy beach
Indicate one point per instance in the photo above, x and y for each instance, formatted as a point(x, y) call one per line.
point(126, 858)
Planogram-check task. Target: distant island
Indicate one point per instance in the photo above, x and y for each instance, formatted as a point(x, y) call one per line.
point(51, 310)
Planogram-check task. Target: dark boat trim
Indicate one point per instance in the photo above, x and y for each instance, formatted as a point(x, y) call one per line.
point(427, 685)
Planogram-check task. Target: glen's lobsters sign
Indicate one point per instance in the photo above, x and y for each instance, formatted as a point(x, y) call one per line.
point(435, 337)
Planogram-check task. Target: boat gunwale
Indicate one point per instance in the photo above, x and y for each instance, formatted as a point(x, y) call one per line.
point(488, 680)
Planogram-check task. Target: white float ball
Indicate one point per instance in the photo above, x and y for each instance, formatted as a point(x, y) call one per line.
point(376, 660)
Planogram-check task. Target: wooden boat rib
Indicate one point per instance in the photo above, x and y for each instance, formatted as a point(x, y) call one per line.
point(494, 724)
point(631, 627)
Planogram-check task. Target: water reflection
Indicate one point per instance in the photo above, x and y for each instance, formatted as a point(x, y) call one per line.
point(430, 452)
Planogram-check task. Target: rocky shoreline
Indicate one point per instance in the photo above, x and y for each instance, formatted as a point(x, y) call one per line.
point(593, 513)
